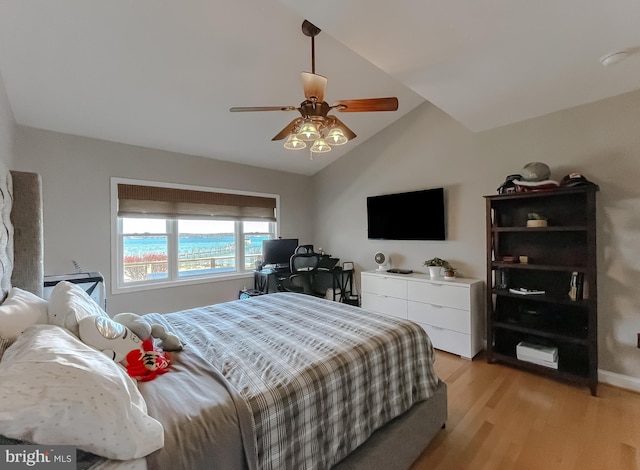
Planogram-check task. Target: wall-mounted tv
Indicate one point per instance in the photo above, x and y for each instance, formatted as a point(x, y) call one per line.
point(415, 215)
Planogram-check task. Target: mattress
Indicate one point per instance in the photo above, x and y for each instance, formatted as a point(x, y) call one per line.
point(309, 379)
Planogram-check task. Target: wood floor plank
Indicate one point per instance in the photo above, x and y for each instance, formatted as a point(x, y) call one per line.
point(504, 418)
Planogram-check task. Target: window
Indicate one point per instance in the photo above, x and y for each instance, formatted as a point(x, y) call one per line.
point(172, 234)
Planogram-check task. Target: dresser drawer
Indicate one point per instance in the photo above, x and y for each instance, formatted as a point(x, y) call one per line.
point(384, 285)
point(391, 306)
point(448, 340)
point(443, 317)
point(447, 295)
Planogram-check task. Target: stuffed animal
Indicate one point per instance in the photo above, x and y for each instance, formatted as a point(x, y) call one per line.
point(112, 338)
point(144, 330)
point(147, 363)
point(142, 360)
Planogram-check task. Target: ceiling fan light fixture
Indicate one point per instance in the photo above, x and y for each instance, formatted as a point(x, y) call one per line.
point(320, 146)
point(316, 128)
point(336, 137)
point(294, 143)
point(308, 132)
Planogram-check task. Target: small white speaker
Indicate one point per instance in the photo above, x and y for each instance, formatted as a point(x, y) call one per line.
point(382, 260)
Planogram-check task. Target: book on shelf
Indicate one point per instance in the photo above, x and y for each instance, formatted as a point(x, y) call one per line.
point(576, 286)
point(523, 291)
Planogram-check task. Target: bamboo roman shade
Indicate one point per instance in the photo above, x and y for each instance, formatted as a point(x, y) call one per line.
point(170, 203)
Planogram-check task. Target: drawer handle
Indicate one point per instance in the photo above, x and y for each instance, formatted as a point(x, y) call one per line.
point(436, 306)
point(435, 285)
point(437, 328)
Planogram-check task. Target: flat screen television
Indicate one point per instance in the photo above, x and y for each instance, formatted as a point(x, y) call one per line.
point(415, 215)
point(278, 251)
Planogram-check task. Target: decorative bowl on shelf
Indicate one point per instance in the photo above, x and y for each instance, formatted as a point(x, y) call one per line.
point(536, 223)
point(536, 220)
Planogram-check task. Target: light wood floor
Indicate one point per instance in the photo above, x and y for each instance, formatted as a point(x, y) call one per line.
point(504, 418)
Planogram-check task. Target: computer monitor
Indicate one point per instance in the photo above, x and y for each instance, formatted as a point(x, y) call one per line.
point(278, 251)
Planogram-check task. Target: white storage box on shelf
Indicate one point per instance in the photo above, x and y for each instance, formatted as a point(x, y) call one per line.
point(546, 356)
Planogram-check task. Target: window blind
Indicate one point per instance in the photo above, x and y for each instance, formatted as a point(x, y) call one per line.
point(171, 203)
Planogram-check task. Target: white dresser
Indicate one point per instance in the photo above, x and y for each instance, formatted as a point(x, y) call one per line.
point(451, 312)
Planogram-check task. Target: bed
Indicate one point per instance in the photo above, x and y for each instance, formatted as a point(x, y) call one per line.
point(277, 381)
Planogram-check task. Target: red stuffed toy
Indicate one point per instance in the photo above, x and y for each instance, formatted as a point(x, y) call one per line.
point(147, 363)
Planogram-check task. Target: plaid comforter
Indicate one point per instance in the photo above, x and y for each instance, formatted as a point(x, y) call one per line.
point(317, 378)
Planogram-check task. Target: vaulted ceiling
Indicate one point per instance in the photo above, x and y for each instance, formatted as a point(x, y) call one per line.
point(163, 74)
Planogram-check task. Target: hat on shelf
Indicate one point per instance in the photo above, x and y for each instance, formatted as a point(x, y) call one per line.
point(508, 186)
point(536, 171)
point(574, 179)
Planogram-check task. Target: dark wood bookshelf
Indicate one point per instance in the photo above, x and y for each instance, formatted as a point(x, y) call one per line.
point(558, 254)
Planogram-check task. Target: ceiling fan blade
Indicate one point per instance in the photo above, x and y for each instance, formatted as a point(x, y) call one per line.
point(367, 104)
point(314, 85)
point(348, 133)
point(262, 108)
point(287, 130)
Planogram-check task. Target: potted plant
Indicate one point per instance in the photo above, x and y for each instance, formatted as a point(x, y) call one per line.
point(536, 220)
point(449, 272)
point(435, 266)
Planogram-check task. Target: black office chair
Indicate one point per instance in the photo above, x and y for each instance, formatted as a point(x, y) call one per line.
point(304, 268)
point(302, 249)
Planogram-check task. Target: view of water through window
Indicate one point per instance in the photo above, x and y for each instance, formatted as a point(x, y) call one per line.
point(204, 247)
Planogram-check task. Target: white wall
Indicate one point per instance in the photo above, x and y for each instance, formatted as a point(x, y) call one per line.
point(76, 174)
point(6, 128)
point(428, 149)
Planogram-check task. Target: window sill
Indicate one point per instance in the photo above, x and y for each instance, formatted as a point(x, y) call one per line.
point(180, 283)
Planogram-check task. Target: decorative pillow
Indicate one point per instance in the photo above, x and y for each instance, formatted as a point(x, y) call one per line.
point(54, 389)
point(69, 303)
point(19, 311)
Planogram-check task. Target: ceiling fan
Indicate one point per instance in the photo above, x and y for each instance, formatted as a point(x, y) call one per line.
point(315, 124)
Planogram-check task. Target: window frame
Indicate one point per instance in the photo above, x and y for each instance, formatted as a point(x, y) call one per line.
point(118, 286)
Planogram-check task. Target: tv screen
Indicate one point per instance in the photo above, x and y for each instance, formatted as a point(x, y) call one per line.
point(415, 215)
point(278, 251)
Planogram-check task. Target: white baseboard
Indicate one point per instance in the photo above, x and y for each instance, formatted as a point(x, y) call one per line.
point(619, 380)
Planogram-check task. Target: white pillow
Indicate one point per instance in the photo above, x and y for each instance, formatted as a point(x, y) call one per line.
point(19, 311)
point(69, 303)
point(54, 389)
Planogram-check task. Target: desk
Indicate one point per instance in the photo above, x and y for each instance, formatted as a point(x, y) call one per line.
point(340, 280)
point(268, 280)
point(341, 283)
